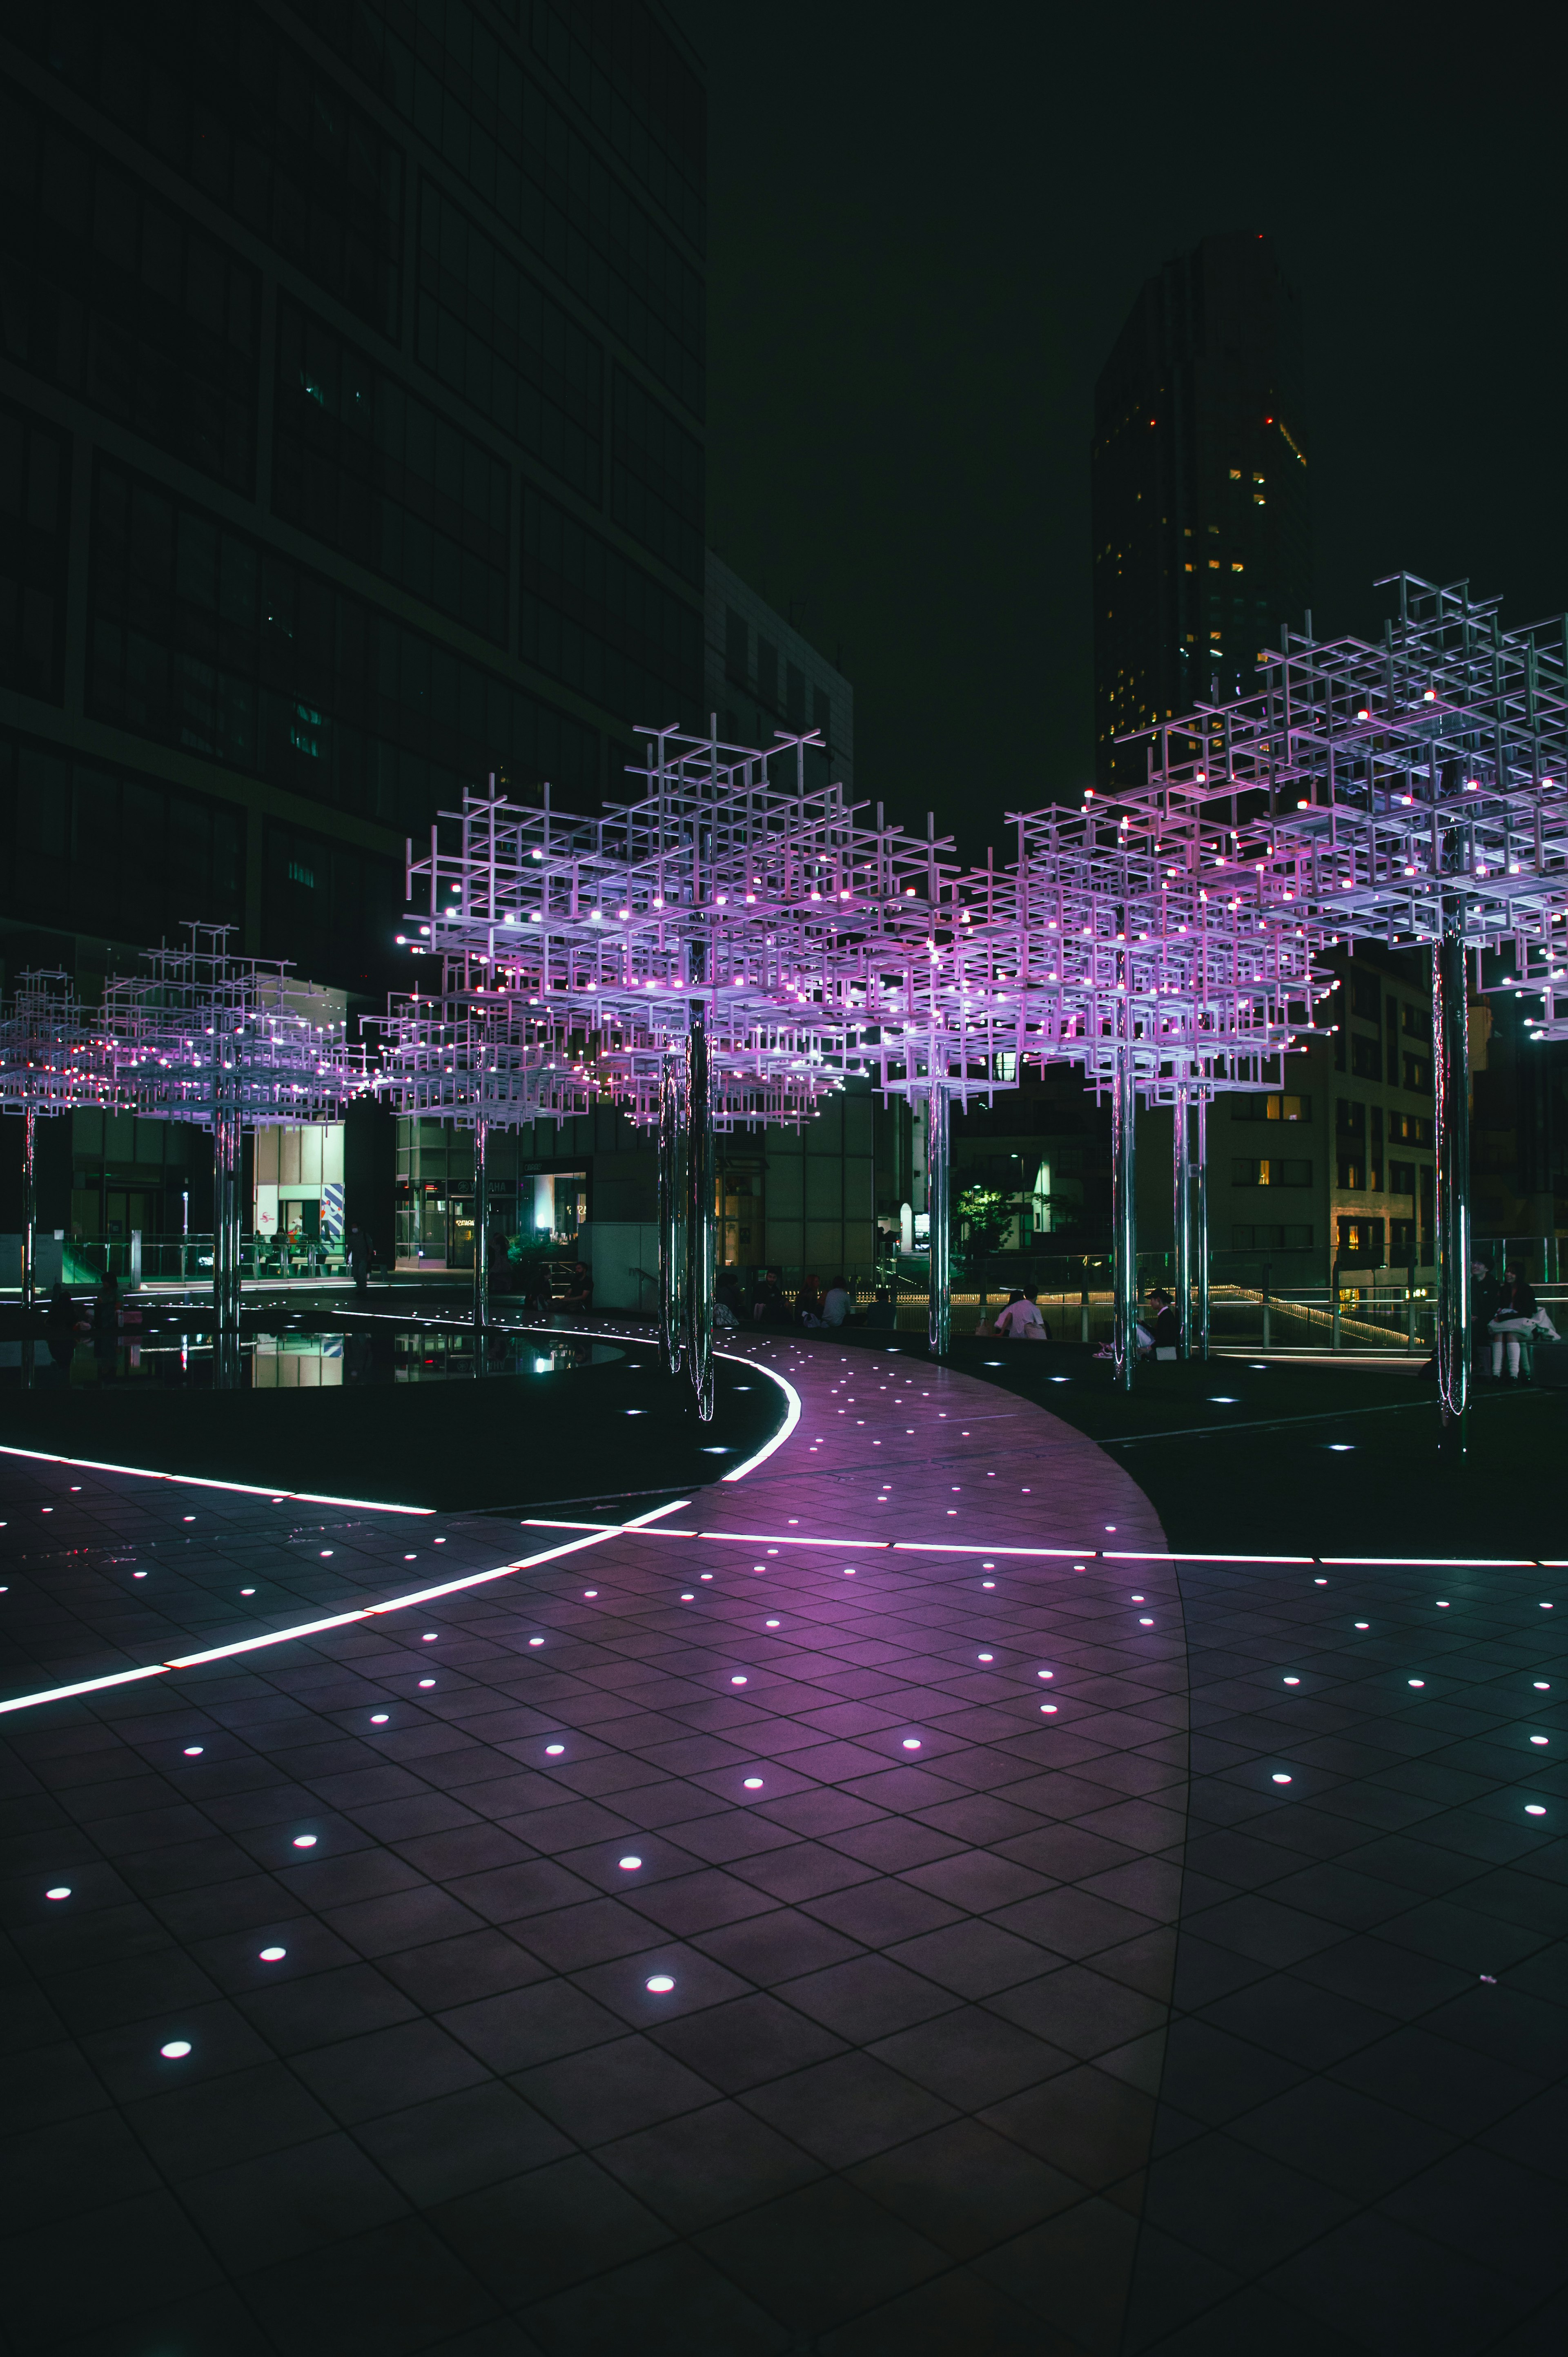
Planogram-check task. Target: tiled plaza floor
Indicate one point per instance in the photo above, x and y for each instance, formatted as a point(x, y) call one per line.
point(763, 1939)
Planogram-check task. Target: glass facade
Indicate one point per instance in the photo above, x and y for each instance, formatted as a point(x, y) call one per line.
point(119, 298)
point(593, 619)
point(220, 95)
point(350, 449)
point(363, 463)
point(93, 845)
point(34, 499)
point(202, 638)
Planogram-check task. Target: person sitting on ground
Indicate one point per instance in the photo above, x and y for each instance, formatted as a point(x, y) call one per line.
point(835, 1305)
point(579, 1294)
point(1021, 1320)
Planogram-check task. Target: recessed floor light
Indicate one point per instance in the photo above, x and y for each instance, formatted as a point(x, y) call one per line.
point(274, 1955)
point(629, 1864)
point(737, 1681)
point(426, 1682)
point(178, 2047)
point(1533, 1809)
point(380, 1718)
point(1341, 1447)
point(193, 1751)
point(1540, 1739)
point(1292, 1682)
point(911, 1743)
point(985, 1657)
point(554, 1750)
point(304, 1841)
point(753, 1784)
point(660, 1984)
point(1281, 1780)
point(60, 1891)
point(1415, 1682)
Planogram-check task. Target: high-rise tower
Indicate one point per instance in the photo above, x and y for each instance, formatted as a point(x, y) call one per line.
point(1200, 490)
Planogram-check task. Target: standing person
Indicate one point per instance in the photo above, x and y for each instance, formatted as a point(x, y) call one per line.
point(835, 1305)
point(1515, 1313)
point(360, 1259)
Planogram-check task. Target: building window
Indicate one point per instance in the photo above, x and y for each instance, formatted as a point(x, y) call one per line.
point(1361, 1240)
point(1417, 1073)
point(1271, 1172)
point(593, 618)
point(1410, 1129)
point(1366, 1058)
point(737, 647)
point(1244, 1106)
point(1401, 1178)
point(1366, 996)
point(1288, 1236)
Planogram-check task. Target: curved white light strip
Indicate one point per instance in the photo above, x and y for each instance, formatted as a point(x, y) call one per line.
point(338, 1619)
point(791, 1417)
point(202, 1481)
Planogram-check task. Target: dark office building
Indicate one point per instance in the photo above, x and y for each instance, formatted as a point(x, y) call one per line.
point(1199, 491)
point(351, 386)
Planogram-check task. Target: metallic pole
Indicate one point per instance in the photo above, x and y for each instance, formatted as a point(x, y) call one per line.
point(671, 1221)
point(226, 1169)
point(1123, 1216)
point(1451, 1133)
point(938, 1210)
point(29, 1207)
point(481, 1226)
point(1181, 1213)
point(699, 1215)
point(1201, 1175)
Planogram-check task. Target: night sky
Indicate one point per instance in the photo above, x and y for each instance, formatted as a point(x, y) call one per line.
point(925, 230)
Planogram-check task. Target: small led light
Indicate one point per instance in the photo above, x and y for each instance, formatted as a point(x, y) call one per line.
point(60, 1891)
point(1292, 1682)
point(554, 1750)
point(590, 1592)
point(247, 1591)
point(911, 1743)
point(193, 1751)
point(274, 1955)
point(1363, 1624)
point(1280, 1779)
point(661, 1985)
point(629, 1864)
point(1415, 1682)
point(1533, 1809)
point(687, 1598)
point(426, 1682)
point(175, 2051)
point(770, 1624)
point(1539, 1739)
point(988, 1583)
point(990, 1657)
point(380, 1718)
point(304, 1841)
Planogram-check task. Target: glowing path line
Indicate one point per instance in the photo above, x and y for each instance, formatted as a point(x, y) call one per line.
point(335, 1620)
point(792, 1415)
point(1435, 1562)
point(202, 1481)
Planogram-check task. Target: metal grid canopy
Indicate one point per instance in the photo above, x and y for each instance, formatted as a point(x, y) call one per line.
point(53, 1058)
point(210, 1039)
point(1413, 794)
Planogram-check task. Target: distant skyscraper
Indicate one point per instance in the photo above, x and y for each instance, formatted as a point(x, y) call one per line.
point(1202, 544)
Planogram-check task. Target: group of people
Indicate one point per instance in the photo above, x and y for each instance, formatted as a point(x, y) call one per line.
point(1505, 1316)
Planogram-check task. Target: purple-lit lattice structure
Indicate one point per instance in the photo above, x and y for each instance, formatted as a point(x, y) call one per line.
point(1410, 793)
point(53, 1058)
point(211, 1038)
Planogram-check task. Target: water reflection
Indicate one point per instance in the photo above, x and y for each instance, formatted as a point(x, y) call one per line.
point(295, 1359)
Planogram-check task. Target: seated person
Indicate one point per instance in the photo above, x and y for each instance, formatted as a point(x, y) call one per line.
point(1021, 1320)
point(579, 1294)
point(1165, 1339)
point(808, 1304)
point(835, 1304)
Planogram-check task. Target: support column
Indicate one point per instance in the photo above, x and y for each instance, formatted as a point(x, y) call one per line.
point(700, 1216)
point(1451, 1136)
point(1181, 1216)
point(939, 1211)
point(481, 1225)
point(29, 1206)
point(671, 1220)
point(1201, 1192)
point(1123, 1216)
point(226, 1174)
